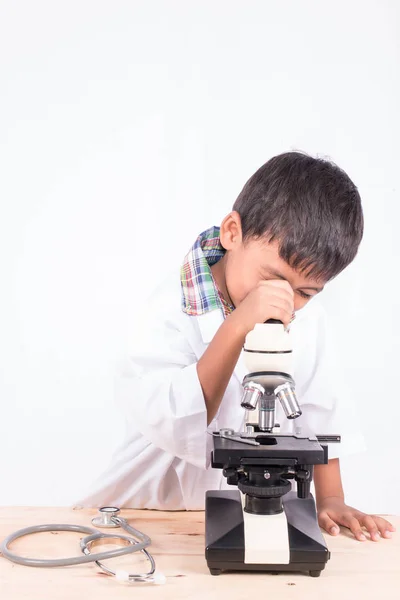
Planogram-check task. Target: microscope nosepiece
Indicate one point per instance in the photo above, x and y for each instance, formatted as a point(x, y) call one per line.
point(287, 397)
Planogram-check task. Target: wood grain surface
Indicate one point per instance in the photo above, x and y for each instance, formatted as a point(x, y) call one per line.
point(363, 570)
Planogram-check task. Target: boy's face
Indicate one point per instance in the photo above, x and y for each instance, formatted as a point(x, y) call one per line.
point(246, 264)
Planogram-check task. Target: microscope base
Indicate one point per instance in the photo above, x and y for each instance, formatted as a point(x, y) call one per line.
point(225, 537)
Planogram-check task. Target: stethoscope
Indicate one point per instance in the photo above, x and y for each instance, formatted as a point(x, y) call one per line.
point(108, 517)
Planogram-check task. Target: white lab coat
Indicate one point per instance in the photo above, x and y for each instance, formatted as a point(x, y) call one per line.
point(164, 460)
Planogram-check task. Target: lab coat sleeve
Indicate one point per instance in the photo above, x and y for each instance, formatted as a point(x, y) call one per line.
point(326, 401)
point(161, 396)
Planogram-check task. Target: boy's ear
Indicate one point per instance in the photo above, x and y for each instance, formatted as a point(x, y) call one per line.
point(231, 231)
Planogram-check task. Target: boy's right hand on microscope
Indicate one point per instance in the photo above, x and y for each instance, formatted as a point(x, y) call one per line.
point(273, 299)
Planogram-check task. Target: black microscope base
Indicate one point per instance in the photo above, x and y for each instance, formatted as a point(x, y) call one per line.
point(225, 544)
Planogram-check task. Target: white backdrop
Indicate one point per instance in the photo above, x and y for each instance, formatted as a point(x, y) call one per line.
point(128, 127)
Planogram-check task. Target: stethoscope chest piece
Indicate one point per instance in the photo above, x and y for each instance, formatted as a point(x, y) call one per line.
point(106, 517)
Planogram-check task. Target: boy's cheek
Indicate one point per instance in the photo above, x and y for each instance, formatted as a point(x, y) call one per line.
point(238, 290)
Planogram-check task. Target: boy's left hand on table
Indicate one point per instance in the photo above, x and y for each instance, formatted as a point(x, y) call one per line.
point(333, 512)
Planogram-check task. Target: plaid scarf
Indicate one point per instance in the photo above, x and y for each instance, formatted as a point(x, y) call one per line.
point(200, 293)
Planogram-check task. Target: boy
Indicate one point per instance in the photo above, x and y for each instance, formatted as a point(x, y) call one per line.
point(296, 224)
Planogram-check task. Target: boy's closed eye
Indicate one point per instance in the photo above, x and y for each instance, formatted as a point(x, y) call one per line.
point(304, 295)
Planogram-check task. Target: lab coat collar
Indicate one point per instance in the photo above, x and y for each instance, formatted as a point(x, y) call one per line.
point(209, 324)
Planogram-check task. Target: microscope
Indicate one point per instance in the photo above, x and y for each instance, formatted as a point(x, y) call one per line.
point(263, 525)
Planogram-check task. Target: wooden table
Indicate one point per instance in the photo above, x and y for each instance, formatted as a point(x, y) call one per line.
point(362, 570)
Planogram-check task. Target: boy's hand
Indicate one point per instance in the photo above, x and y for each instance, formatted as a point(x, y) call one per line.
point(333, 512)
point(272, 299)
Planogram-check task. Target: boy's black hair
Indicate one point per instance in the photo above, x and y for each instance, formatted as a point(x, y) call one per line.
point(310, 206)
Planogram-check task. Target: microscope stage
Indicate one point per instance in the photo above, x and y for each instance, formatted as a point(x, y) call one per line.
point(274, 449)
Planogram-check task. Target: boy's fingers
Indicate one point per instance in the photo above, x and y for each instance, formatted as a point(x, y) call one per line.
point(354, 525)
point(384, 526)
point(276, 292)
point(371, 526)
point(326, 523)
point(282, 297)
point(282, 303)
point(279, 283)
point(281, 311)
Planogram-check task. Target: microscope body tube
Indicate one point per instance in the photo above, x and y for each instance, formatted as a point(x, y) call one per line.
point(268, 347)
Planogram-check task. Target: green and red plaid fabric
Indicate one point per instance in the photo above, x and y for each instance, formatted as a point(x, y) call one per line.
point(199, 290)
